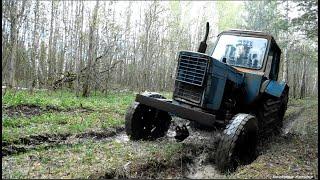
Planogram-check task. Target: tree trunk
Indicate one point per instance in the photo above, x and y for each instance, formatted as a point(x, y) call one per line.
point(86, 86)
point(34, 48)
point(80, 60)
point(285, 66)
point(285, 63)
point(303, 79)
point(50, 59)
point(13, 41)
point(315, 87)
point(15, 19)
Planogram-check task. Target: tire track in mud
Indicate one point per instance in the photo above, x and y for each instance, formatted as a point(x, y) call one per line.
point(203, 166)
point(203, 143)
point(291, 118)
point(199, 164)
point(47, 141)
point(194, 161)
point(176, 167)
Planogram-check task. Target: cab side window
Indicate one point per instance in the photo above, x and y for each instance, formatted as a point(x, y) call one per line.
point(272, 68)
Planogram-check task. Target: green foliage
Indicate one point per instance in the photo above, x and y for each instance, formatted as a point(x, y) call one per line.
point(308, 21)
point(229, 15)
point(175, 8)
point(89, 158)
point(264, 16)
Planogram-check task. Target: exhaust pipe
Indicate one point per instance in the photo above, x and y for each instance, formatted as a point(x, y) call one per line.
point(203, 44)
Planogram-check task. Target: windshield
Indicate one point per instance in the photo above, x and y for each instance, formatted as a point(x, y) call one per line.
point(240, 51)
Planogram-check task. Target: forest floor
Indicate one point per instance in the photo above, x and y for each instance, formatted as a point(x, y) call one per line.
point(59, 135)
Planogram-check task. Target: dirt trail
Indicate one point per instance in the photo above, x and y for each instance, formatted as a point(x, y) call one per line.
point(203, 167)
point(204, 143)
point(291, 119)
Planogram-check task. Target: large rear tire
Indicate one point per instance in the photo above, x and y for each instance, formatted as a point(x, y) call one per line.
point(270, 114)
point(238, 143)
point(284, 103)
point(146, 123)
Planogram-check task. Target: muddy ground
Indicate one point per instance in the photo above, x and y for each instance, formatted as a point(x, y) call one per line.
point(29, 110)
point(193, 159)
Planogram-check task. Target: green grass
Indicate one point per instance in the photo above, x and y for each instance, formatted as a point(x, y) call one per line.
point(79, 160)
point(65, 99)
point(58, 123)
point(108, 111)
point(89, 158)
point(116, 102)
point(306, 102)
point(292, 156)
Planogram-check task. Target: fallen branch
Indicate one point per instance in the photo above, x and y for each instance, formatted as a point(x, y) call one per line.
point(112, 66)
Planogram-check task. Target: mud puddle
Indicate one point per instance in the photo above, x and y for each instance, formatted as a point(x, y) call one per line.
point(290, 120)
point(202, 166)
point(201, 145)
point(51, 140)
point(196, 161)
point(193, 162)
point(29, 110)
point(203, 171)
point(121, 137)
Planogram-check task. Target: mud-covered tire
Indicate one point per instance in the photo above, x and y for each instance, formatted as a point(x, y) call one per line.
point(270, 114)
point(146, 123)
point(284, 103)
point(238, 143)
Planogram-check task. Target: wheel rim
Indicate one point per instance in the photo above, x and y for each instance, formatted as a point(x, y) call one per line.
point(153, 123)
point(148, 117)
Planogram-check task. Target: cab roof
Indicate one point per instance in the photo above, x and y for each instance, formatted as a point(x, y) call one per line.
point(253, 34)
point(248, 32)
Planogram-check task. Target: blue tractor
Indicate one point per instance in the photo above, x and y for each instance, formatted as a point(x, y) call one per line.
point(233, 89)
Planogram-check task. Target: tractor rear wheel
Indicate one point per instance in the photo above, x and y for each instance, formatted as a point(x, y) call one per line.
point(238, 143)
point(270, 114)
point(147, 123)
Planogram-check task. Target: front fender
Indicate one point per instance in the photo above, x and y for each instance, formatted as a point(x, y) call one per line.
point(273, 88)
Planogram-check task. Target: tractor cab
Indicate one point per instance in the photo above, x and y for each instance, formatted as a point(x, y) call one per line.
point(248, 52)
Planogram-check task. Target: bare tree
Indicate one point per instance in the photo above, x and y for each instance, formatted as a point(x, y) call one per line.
point(15, 19)
point(86, 86)
point(35, 42)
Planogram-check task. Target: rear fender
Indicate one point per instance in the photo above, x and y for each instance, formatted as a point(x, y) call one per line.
point(273, 88)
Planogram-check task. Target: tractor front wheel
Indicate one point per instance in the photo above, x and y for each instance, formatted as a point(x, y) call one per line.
point(238, 143)
point(146, 123)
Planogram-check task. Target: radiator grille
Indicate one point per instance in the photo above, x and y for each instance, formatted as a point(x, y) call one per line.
point(191, 69)
point(191, 72)
point(189, 92)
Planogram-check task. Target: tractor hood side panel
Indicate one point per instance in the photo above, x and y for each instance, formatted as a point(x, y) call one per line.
point(252, 83)
point(218, 74)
